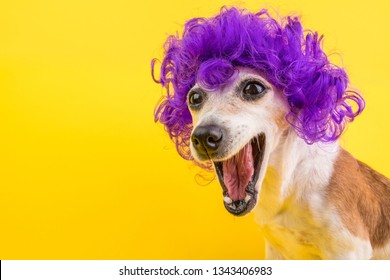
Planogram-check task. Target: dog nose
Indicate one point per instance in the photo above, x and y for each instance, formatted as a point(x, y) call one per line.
point(206, 139)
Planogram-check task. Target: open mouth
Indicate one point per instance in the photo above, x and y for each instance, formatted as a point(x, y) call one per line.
point(238, 176)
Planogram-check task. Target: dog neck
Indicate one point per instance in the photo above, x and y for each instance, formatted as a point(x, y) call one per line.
point(295, 170)
point(301, 166)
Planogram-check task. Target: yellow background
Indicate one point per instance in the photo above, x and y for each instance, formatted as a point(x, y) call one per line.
point(85, 173)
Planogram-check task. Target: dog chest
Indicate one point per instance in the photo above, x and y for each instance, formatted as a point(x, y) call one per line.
point(304, 227)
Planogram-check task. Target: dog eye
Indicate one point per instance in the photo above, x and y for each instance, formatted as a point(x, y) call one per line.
point(195, 98)
point(253, 90)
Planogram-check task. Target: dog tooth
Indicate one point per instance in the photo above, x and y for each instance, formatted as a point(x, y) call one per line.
point(232, 206)
point(247, 198)
point(227, 199)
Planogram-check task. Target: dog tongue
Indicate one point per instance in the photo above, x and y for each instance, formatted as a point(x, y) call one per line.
point(237, 172)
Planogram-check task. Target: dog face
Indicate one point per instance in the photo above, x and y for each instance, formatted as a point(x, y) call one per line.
point(237, 127)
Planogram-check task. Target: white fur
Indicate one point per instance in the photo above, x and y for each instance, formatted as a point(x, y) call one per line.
point(292, 212)
point(298, 223)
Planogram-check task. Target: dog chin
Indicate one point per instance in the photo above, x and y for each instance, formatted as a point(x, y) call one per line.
point(238, 175)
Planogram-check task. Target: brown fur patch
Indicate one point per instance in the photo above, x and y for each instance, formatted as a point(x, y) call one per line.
point(362, 198)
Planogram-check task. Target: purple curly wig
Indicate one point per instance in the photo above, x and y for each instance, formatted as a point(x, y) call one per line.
point(293, 61)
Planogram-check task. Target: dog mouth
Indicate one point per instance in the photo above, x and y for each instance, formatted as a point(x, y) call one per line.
point(238, 176)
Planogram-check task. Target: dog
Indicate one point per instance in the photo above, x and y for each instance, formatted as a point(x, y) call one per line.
point(256, 100)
